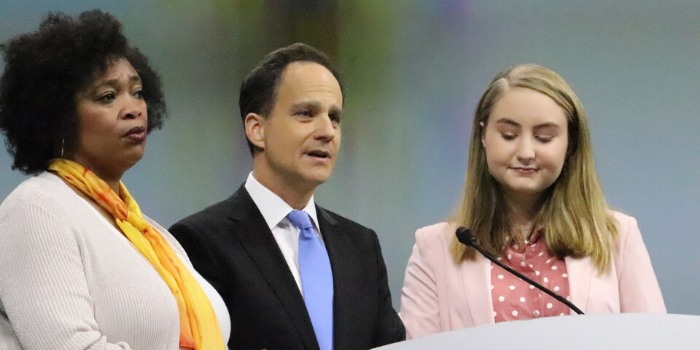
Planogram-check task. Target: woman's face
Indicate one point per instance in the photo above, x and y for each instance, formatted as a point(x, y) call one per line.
point(526, 140)
point(113, 121)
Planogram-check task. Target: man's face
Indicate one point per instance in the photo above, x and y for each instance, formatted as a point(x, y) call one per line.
point(301, 136)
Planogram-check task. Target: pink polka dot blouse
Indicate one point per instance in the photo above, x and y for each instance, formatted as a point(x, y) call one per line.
point(515, 299)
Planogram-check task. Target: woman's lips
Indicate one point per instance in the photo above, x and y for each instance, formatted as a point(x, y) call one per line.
point(524, 171)
point(137, 134)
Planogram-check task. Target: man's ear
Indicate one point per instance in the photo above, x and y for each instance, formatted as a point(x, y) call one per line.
point(255, 129)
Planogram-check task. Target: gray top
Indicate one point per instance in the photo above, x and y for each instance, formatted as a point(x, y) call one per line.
point(70, 280)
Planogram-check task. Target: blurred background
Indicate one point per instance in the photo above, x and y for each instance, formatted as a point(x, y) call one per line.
point(414, 71)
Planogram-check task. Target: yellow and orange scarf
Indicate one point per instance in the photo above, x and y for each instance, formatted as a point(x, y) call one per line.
point(199, 329)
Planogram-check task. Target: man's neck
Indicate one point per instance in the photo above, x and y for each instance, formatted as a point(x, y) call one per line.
point(292, 193)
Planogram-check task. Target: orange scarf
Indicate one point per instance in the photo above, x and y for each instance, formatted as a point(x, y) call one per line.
point(199, 329)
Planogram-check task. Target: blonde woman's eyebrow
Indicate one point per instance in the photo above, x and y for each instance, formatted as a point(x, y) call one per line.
point(508, 122)
point(512, 122)
point(546, 125)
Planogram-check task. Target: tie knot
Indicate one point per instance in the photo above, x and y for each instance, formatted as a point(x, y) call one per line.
point(300, 219)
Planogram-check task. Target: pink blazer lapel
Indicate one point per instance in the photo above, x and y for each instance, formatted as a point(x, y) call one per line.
point(579, 271)
point(477, 275)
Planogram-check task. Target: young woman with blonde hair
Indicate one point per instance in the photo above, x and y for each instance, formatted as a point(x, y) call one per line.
point(531, 198)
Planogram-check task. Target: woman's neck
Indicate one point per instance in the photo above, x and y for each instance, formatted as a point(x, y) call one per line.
point(109, 175)
point(522, 211)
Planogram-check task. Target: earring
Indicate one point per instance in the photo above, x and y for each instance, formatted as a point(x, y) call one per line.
point(63, 142)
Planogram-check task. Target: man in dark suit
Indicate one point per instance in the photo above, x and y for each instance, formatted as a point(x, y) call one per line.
point(292, 274)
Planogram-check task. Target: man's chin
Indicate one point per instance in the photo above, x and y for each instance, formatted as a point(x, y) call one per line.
point(316, 179)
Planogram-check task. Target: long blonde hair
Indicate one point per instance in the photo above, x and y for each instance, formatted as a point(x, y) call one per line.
point(573, 212)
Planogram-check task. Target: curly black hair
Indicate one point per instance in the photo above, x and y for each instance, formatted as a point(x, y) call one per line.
point(45, 70)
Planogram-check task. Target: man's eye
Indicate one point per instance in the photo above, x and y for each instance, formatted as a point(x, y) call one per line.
point(304, 113)
point(139, 94)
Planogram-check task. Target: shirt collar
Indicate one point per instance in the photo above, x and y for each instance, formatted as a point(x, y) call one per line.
point(273, 208)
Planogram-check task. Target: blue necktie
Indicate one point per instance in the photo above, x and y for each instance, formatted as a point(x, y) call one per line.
point(316, 278)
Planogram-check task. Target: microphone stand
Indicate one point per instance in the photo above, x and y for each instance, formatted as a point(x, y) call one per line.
point(464, 236)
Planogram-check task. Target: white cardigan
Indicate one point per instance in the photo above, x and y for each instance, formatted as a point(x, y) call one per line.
point(70, 280)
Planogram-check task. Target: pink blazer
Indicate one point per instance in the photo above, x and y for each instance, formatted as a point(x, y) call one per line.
point(439, 295)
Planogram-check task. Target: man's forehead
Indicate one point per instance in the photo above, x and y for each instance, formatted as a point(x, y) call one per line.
point(306, 69)
point(307, 77)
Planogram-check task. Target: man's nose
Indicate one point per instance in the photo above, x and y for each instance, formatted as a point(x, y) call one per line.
point(326, 129)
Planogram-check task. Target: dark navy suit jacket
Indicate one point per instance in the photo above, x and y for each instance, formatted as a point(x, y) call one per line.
point(230, 244)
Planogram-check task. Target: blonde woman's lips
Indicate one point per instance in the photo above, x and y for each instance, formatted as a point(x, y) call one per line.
point(525, 171)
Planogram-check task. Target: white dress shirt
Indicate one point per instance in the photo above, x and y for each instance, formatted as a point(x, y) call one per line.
point(275, 210)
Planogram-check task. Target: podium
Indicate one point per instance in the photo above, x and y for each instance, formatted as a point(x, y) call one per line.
point(599, 332)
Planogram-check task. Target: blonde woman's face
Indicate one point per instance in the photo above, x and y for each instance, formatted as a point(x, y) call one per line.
point(526, 140)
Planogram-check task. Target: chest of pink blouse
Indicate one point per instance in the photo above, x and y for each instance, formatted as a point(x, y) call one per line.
point(515, 299)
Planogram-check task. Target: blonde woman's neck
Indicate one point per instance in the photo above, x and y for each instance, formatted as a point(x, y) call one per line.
point(522, 212)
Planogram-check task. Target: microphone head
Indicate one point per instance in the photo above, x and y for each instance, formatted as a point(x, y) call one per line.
point(464, 236)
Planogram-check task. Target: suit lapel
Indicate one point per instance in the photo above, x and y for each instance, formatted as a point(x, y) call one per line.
point(257, 240)
point(476, 277)
point(579, 271)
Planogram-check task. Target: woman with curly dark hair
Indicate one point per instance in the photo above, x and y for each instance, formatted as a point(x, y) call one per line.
point(80, 266)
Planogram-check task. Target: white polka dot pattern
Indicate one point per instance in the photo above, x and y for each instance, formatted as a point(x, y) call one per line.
point(514, 299)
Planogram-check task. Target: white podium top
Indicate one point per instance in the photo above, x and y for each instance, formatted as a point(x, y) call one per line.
point(599, 332)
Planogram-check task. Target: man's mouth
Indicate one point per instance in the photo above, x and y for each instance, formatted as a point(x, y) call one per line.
point(319, 154)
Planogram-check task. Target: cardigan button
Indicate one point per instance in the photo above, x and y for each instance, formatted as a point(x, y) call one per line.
point(536, 313)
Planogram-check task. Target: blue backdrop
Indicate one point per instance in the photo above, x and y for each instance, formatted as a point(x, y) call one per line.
point(414, 71)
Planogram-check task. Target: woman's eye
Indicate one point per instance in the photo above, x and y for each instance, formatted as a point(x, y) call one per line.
point(508, 137)
point(139, 94)
point(106, 98)
point(544, 139)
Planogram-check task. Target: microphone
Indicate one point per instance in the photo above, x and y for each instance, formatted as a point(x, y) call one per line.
point(464, 236)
